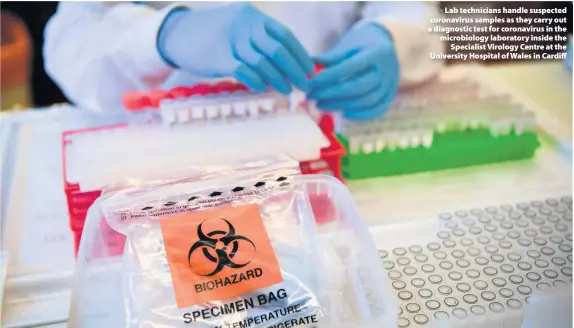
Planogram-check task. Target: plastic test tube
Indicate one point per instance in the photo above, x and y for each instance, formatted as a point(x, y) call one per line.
point(181, 96)
point(240, 94)
point(225, 90)
point(160, 101)
point(198, 101)
point(136, 104)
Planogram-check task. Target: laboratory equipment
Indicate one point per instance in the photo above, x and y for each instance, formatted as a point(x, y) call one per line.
point(138, 108)
point(484, 266)
point(449, 124)
point(224, 100)
point(95, 158)
point(327, 272)
point(35, 222)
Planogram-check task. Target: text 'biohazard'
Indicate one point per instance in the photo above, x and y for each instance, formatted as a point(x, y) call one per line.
point(217, 254)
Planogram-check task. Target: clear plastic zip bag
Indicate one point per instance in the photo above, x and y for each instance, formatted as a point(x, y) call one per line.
point(239, 248)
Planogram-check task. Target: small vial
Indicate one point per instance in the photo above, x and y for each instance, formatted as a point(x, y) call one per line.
point(197, 113)
point(137, 106)
point(267, 104)
point(202, 94)
point(161, 105)
point(178, 105)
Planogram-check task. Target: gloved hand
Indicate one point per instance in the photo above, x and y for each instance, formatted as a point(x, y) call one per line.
point(237, 41)
point(361, 74)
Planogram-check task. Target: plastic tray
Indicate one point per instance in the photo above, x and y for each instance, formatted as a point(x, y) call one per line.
point(494, 265)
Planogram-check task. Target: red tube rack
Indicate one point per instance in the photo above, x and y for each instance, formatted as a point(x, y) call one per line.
point(79, 201)
point(135, 101)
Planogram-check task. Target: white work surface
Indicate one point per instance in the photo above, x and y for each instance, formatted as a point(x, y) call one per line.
point(40, 245)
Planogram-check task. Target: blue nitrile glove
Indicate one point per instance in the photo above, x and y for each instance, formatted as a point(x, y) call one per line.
point(361, 74)
point(235, 40)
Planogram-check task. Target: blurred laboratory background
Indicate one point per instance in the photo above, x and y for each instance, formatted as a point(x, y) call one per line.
point(25, 83)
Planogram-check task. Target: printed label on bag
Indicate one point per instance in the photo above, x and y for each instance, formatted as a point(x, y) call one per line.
point(218, 254)
point(272, 312)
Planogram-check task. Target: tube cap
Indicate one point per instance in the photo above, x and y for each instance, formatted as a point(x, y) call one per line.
point(157, 95)
point(326, 124)
point(202, 89)
point(181, 92)
point(238, 87)
point(135, 101)
point(224, 86)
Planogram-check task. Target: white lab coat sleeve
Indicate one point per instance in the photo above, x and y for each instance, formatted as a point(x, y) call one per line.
point(408, 23)
point(97, 51)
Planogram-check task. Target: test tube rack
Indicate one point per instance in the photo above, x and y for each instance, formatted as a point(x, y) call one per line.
point(444, 125)
point(80, 196)
point(206, 101)
point(485, 266)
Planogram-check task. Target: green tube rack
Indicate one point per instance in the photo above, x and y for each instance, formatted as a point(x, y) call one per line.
point(448, 125)
point(452, 149)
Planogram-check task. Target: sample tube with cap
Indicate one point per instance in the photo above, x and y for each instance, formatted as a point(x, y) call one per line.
point(180, 107)
point(137, 104)
point(226, 90)
point(161, 105)
point(200, 94)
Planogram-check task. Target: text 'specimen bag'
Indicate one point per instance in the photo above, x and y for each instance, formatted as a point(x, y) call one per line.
point(231, 247)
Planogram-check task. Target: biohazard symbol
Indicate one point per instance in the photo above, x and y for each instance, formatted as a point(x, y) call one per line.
point(224, 245)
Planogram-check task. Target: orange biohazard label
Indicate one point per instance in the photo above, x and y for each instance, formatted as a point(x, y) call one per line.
point(218, 254)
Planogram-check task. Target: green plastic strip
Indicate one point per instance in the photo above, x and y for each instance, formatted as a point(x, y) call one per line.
point(453, 149)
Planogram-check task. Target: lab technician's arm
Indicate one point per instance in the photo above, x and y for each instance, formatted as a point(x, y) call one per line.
point(408, 24)
point(97, 51)
point(126, 47)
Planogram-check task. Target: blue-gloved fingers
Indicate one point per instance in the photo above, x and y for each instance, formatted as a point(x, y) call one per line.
point(380, 109)
point(281, 57)
point(260, 64)
point(333, 56)
point(286, 38)
point(365, 115)
point(350, 67)
point(249, 77)
point(370, 100)
point(354, 87)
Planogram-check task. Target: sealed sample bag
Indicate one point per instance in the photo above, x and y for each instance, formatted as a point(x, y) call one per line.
point(231, 248)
